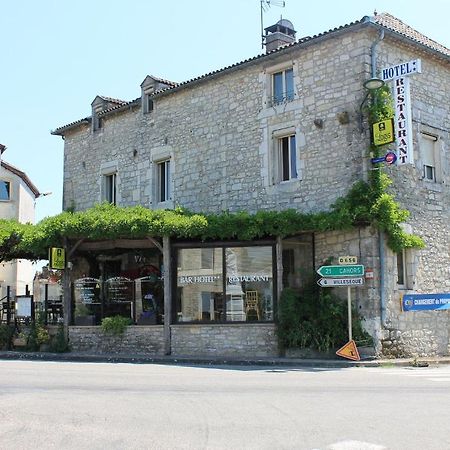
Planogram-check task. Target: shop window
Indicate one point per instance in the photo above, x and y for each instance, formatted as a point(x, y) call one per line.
point(247, 276)
point(110, 188)
point(430, 157)
point(5, 190)
point(163, 175)
point(283, 86)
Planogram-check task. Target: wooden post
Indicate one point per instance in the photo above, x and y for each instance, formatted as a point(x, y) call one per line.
point(279, 262)
point(167, 294)
point(67, 294)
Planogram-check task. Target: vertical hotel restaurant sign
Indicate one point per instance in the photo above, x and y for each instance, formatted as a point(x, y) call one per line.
point(57, 258)
point(399, 74)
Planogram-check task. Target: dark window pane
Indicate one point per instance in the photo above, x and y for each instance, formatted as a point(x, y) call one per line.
point(293, 152)
point(400, 269)
point(285, 159)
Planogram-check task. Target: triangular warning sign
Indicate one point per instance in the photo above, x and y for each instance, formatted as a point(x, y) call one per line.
point(349, 351)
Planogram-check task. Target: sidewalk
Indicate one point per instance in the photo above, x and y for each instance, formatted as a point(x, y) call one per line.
point(213, 361)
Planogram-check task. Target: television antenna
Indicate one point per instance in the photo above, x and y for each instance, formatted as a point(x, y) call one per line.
point(265, 6)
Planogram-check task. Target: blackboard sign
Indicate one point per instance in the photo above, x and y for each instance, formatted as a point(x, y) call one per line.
point(119, 289)
point(87, 290)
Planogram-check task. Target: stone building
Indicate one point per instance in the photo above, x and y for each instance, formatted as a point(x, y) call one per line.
point(281, 130)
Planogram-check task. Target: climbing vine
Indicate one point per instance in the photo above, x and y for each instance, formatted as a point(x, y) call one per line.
point(366, 203)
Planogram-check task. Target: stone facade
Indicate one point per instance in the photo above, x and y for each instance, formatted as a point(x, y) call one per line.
point(137, 340)
point(220, 133)
point(248, 340)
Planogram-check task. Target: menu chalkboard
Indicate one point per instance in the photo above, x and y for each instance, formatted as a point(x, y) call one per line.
point(87, 290)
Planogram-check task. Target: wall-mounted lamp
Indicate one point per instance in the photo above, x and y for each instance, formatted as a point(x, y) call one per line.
point(372, 85)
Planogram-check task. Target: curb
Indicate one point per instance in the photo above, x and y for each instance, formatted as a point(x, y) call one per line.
point(221, 361)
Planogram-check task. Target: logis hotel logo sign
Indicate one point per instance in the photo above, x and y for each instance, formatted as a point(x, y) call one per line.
point(399, 74)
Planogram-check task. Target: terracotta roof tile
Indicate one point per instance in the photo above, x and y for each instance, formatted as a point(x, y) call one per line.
point(384, 20)
point(394, 24)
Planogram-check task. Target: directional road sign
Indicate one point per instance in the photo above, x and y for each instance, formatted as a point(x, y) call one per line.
point(333, 282)
point(354, 270)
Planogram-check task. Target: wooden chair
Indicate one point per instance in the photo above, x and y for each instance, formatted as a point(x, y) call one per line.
point(252, 303)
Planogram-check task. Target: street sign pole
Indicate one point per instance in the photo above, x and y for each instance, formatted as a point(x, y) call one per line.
point(349, 307)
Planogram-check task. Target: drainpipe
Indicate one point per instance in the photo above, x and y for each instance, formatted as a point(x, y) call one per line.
point(373, 60)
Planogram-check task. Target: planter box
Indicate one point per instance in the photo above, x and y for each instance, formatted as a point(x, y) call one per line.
point(19, 342)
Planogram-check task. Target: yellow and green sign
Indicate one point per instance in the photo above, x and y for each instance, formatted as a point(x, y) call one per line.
point(383, 132)
point(57, 258)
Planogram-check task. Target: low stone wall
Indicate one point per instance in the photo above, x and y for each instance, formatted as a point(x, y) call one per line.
point(137, 340)
point(242, 340)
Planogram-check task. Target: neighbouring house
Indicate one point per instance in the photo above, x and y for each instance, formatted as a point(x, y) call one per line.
point(285, 129)
point(17, 201)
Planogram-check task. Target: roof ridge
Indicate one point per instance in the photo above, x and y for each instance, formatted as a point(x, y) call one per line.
point(21, 174)
point(393, 23)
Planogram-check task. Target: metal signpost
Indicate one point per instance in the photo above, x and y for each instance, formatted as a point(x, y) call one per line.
point(349, 274)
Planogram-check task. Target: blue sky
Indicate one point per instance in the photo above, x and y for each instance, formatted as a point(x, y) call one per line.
point(56, 56)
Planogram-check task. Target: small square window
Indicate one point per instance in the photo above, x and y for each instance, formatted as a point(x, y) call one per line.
point(429, 173)
point(5, 190)
point(429, 153)
point(282, 86)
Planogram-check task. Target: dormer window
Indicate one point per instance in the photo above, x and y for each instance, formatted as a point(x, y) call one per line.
point(148, 103)
point(97, 122)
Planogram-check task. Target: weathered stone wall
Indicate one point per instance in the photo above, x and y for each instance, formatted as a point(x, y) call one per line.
point(363, 244)
point(219, 135)
point(428, 270)
point(137, 340)
point(252, 340)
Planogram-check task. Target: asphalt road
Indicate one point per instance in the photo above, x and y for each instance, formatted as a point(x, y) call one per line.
point(62, 405)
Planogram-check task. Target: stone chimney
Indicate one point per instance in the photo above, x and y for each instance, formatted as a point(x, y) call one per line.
point(282, 33)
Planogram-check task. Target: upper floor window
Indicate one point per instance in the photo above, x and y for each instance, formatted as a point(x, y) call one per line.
point(430, 157)
point(148, 103)
point(5, 190)
point(163, 174)
point(283, 86)
point(110, 188)
point(286, 158)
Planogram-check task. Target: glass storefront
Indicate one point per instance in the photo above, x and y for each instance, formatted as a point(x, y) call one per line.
point(225, 284)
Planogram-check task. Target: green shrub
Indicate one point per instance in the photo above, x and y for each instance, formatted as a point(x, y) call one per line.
point(316, 318)
point(115, 325)
point(32, 340)
point(6, 334)
point(59, 342)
